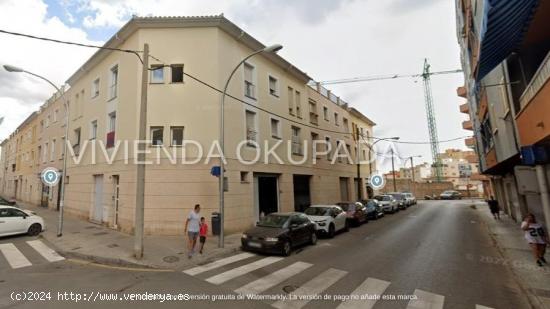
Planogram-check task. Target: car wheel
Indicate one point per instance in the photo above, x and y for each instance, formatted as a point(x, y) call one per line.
point(34, 229)
point(331, 230)
point(313, 238)
point(287, 248)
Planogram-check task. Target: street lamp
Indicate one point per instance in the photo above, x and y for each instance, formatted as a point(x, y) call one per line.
point(268, 49)
point(371, 148)
point(14, 69)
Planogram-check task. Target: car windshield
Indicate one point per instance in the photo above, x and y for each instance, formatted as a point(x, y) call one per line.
point(382, 198)
point(317, 211)
point(371, 204)
point(273, 221)
point(448, 192)
point(397, 196)
point(347, 206)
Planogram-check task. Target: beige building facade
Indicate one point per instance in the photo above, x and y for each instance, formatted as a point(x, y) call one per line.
point(273, 111)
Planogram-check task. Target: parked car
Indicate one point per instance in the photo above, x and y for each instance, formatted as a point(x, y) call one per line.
point(374, 209)
point(400, 198)
point(410, 198)
point(279, 233)
point(355, 211)
point(450, 195)
point(15, 221)
point(388, 203)
point(328, 219)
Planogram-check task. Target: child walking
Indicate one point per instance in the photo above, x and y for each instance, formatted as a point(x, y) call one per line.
point(202, 233)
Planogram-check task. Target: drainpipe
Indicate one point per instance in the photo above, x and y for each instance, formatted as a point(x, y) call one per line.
point(544, 195)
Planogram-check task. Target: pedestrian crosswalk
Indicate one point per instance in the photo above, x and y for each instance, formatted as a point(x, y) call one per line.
point(17, 259)
point(235, 269)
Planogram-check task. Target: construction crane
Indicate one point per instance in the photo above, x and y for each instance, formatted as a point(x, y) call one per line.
point(430, 112)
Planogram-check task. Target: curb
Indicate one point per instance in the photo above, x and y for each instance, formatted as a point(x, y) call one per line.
point(532, 298)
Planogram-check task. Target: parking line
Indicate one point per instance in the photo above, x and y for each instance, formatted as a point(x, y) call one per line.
point(219, 263)
point(426, 300)
point(372, 287)
point(315, 286)
point(262, 284)
point(45, 251)
point(15, 258)
point(239, 271)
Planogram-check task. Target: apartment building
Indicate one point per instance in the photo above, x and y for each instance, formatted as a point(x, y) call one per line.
point(505, 52)
point(275, 113)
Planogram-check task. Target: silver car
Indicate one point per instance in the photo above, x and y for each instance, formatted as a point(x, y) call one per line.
point(388, 203)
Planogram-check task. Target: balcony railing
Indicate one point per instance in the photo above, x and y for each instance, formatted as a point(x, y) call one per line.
point(465, 108)
point(249, 89)
point(296, 147)
point(313, 118)
point(251, 135)
point(539, 79)
point(461, 92)
point(467, 125)
point(470, 142)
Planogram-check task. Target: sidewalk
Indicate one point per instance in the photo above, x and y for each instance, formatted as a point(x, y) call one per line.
point(517, 255)
point(85, 240)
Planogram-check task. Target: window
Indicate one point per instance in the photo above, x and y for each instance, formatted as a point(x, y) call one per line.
point(273, 86)
point(93, 130)
point(157, 74)
point(249, 87)
point(336, 121)
point(251, 132)
point(38, 156)
point(328, 148)
point(45, 153)
point(177, 73)
point(41, 126)
point(346, 126)
point(298, 104)
point(313, 117)
point(244, 177)
point(52, 150)
point(315, 147)
point(48, 121)
point(325, 113)
point(275, 128)
point(112, 128)
point(291, 101)
point(76, 138)
point(157, 136)
point(55, 115)
point(95, 88)
point(296, 142)
point(114, 83)
point(176, 136)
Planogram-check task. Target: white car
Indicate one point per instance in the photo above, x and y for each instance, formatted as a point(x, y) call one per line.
point(388, 203)
point(18, 221)
point(410, 198)
point(328, 219)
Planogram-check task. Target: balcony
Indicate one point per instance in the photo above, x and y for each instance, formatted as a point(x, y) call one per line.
point(251, 137)
point(534, 118)
point(467, 125)
point(465, 108)
point(461, 92)
point(470, 142)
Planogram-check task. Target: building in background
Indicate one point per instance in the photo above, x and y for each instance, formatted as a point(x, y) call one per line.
point(276, 103)
point(505, 53)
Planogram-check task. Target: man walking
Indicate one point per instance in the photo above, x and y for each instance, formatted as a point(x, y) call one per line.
point(192, 227)
point(494, 207)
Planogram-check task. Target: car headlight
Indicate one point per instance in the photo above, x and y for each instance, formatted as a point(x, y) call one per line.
point(271, 239)
point(244, 236)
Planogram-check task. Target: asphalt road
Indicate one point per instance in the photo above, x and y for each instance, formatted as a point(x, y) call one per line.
point(436, 252)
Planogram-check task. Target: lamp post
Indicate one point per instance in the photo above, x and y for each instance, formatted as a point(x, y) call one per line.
point(412, 171)
point(371, 148)
point(268, 49)
point(15, 69)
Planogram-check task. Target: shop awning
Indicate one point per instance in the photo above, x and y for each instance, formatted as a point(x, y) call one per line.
point(502, 30)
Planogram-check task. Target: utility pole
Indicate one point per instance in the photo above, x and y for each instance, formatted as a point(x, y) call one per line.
point(393, 171)
point(140, 187)
point(357, 163)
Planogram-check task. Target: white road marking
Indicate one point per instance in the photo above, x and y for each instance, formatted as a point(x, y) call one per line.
point(15, 258)
point(482, 307)
point(426, 300)
point(313, 287)
point(45, 251)
point(262, 284)
point(373, 287)
point(219, 263)
point(239, 271)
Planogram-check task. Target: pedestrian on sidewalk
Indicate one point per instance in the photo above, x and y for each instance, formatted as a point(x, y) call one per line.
point(202, 233)
point(494, 207)
point(536, 236)
point(192, 227)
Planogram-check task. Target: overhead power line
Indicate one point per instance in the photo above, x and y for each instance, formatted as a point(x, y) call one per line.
point(137, 54)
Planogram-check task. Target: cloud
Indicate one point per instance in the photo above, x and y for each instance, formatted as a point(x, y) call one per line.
point(403, 6)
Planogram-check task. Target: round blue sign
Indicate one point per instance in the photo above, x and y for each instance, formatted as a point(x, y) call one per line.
point(50, 176)
point(377, 181)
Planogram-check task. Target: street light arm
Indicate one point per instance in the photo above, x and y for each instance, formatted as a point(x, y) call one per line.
point(237, 67)
point(44, 79)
